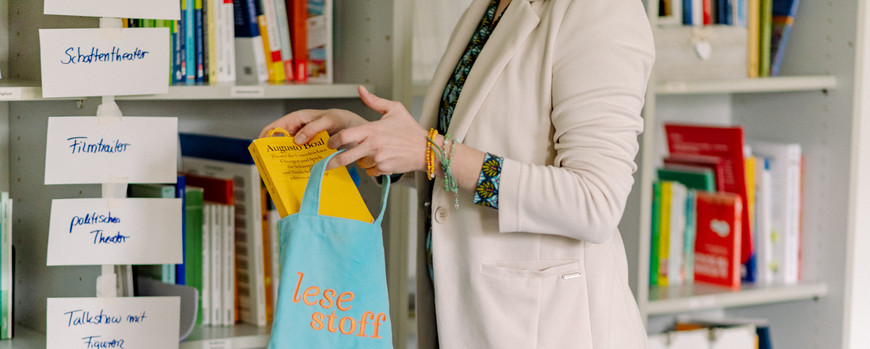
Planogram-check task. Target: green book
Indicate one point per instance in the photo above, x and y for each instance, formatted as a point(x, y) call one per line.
point(654, 238)
point(765, 37)
point(699, 178)
point(193, 206)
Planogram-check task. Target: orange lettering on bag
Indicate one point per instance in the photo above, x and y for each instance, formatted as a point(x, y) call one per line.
point(310, 291)
point(381, 316)
point(344, 297)
point(330, 326)
point(363, 322)
point(298, 283)
point(317, 321)
point(352, 325)
point(327, 298)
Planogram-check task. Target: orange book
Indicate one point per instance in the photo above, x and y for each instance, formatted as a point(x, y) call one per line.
point(297, 14)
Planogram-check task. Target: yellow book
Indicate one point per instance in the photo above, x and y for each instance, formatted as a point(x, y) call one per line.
point(664, 235)
point(285, 167)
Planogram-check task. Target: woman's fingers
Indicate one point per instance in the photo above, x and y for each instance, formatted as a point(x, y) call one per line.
point(376, 103)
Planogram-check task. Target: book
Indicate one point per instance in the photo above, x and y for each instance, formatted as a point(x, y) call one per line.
point(767, 268)
point(782, 19)
point(319, 27)
point(193, 207)
point(699, 178)
point(677, 230)
point(753, 43)
point(211, 9)
point(664, 233)
point(760, 327)
point(228, 265)
point(6, 267)
point(250, 54)
point(297, 15)
point(206, 293)
point(655, 232)
point(285, 167)
point(728, 145)
point(227, 157)
point(199, 40)
point(283, 28)
point(717, 240)
point(764, 38)
point(698, 163)
point(188, 12)
point(225, 42)
point(272, 37)
point(784, 162)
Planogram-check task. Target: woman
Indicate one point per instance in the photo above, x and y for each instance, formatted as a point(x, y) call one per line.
point(541, 100)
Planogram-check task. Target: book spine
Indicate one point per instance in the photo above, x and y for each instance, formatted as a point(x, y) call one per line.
point(206, 294)
point(216, 264)
point(664, 233)
point(765, 35)
point(274, 40)
point(228, 278)
point(298, 16)
point(189, 41)
point(211, 59)
point(655, 231)
point(283, 26)
point(200, 40)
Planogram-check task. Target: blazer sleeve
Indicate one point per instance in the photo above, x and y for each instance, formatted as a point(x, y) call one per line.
point(602, 59)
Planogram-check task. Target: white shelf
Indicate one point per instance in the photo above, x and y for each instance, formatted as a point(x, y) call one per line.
point(774, 84)
point(700, 296)
point(238, 336)
point(24, 338)
point(32, 91)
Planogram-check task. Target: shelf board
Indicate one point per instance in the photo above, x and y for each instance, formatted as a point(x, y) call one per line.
point(238, 336)
point(32, 91)
point(24, 338)
point(773, 84)
point(700, 296)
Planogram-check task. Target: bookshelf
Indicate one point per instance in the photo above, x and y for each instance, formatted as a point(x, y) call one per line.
point(368, 37)
point(818, 102)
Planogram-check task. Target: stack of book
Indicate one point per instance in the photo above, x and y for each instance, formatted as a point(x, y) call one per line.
point(248, 41)
point(725, 211)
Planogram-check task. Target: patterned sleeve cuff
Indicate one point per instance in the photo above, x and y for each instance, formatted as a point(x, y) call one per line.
point(486, 193)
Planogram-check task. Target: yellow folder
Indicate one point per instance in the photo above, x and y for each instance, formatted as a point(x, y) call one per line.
point(285, 167)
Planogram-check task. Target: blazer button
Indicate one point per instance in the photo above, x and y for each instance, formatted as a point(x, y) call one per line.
point(441, 214)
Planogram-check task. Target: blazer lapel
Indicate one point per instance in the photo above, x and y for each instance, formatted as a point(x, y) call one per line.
point(514, 27)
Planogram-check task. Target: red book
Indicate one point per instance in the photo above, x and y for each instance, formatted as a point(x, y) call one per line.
point(297, 15)
point(219, 190)
point(727, 144)
point(718, 237)
point(707, 11)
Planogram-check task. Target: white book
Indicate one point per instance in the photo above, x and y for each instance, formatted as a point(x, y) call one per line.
point(677, 229)
point(205, 298)
point(248, 228)
point(215, 264)
point(319, 27)
point(763, 215)
point(284, 37)
point(697, 12)
point(785, 162)
point(229, 265)
point(226, 48)
point(250, 59)
point(275, 243)
point(6, 267)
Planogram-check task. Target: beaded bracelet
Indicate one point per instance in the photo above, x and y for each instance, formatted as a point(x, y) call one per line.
point(430, 157)
point(446, 157)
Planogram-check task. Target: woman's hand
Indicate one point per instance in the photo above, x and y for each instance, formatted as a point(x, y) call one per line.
point(303, 125)
point(394, 144)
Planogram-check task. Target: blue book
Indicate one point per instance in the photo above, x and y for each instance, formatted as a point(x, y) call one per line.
point(784, 12)
point(199, 40)
point(245, 18)
point(189, 41)
point(179, 193)
point(687, 12)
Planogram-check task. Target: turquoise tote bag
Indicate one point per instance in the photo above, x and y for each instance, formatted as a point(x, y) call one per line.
point(333, 290)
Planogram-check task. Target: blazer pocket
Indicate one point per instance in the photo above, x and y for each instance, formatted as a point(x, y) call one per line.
point(539, 268)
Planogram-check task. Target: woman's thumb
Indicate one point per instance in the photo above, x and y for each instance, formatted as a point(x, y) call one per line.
point(378, 104)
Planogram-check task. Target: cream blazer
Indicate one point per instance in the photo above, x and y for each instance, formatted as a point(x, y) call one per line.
point(557, 91)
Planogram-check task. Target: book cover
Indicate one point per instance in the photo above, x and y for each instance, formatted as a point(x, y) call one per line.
point(264, 37)
point(276, 71)
point(319, 27)
point(285, 167)
point(283, 26)
point(225, 41)
point(689, 237)
point(717, 240)
point(782, 20)
point(707, 11)
point(699, 178)
point(767, 267)
point(664, 233)
point(297, 15)
point(193, 206)
point(728, 145)
point(753, 43)
point(215, 262)
point(677, 230)
point(206, 294)
point(211, 9)
point(699, 163)
point(188, 11)
point(784, 161)
point(228, 265)
point(250, 54)
point(655, 232)
point(765, 36)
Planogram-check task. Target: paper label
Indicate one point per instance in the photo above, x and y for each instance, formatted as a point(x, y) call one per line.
point(127, 322)
point(104, 61)
point(83, 150)
point(131, 231)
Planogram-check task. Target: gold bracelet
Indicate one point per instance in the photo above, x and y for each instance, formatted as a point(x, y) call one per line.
point(430, 155)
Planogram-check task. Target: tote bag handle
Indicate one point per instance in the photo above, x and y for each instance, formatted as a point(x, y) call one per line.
point(311, 198)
